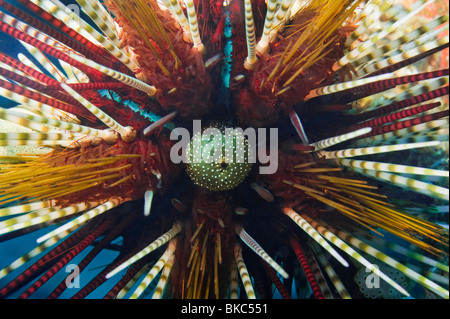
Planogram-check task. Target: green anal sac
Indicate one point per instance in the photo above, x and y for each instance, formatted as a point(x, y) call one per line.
point(218, 163)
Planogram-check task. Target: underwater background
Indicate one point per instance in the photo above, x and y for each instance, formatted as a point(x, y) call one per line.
point(429, 208)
